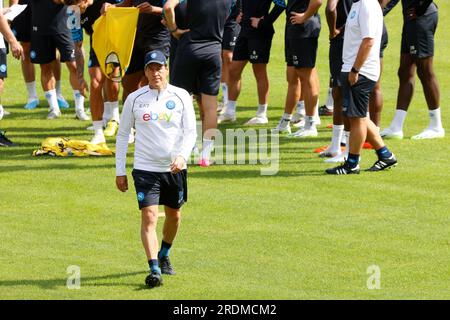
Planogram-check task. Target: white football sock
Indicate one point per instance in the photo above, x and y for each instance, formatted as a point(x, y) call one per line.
point(399, 120)
point(262, 110)
point(58, 88)
point(114, 109)
point(345, 137)
point(31, 88)
point(106, 112)
point(208, 145)
point(79, 100)
point(50, 95)
point(287, 116)
point(310, 122)
point(301, 107)
point(231, 107)
point(338, 131)
point(98, 128)
point(224, 92)
point(330, 101)
point(435, 119)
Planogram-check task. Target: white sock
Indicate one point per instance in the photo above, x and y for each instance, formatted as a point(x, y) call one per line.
point(301, 107)
point(79, 100)
point(98, 128)
point(262, 110)
point(50, 95)
point(31, 88)
point(338, 131)
point(310, 122)
point(231, 107)
point(106, 112)
point(435, 119)
point(58, 88)
point(1, 112)
point(330, 102)
point(345, 137)
point(114, 109)
point(287, 116)
point(224, 92)
point(399, 119)
point(207, 148)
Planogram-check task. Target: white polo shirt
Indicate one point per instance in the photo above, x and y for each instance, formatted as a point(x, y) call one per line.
point(165, 128)
point(365, 20)
point(2, 40)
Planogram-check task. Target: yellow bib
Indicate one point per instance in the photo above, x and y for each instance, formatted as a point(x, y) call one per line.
point(113, 40)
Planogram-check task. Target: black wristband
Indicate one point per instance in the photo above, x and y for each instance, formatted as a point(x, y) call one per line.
point(354, 70)
point(172, 31)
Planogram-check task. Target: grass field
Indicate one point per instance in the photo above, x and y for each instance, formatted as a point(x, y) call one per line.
point(296, 235)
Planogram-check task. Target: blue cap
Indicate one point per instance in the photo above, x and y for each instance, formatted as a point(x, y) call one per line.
point(155, 56)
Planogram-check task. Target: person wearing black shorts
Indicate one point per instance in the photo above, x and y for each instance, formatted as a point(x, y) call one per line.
point(17, 52)
point(359, 74)
point(253, 44)
point(165, 123)
point(151, 34)
point(230, 35)
point(303, 29)
point(197, 67)
point(420, 20)
point(49, 32)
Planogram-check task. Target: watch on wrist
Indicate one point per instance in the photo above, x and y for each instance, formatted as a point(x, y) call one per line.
point(173, 30)
point(354, 70)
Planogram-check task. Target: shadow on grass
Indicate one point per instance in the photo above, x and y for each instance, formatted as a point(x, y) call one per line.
point(85, 281)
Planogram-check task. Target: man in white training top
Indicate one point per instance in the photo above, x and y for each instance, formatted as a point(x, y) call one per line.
point(164, 118)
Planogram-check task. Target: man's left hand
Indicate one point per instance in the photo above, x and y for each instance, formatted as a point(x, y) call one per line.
point(353, 78)
point(297, 18)
point(145, 7)
point(255, 21)
point(177, 165)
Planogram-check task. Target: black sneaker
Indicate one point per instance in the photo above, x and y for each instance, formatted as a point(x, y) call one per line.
point(166, 266)
point(325, 111)
point(154, 279)
point(343, 169)
point(383, 163)
point(4, 141)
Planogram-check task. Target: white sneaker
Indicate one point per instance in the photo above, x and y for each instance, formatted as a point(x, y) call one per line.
point(90, 128)
point(303, 133)
point(220, 107)
point(257, 120)
point(388, 133)
point(81, 115)
point(300, 124)
point(430, 133)
point(317, 121)
point(297, 117)
point(98, 139)
point(131, 136)
point(283, 126)
point(53, 114)
point(2, 112)
point(338, 158)
point(225, 117)
point(327, 153)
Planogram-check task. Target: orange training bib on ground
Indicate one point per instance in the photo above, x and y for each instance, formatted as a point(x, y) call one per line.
point(113, 40)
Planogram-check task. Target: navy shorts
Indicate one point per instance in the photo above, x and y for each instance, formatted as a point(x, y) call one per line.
point(356, 97)
point(230, 35)
point(3, 64)
point(198, 67)
point(255, 50)
point(160, 188)
point(302, 52)
point(418, 36)
point(93, 60)
point(21, 25)
point(43, 47)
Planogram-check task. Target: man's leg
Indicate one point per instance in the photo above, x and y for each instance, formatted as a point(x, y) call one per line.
point(292, 98)
point(227, 59)
point(111, 116)
point(262, 82)
point(78, 97)
point(208, 113)
point(310, 90)
point(376, 101)
point(56, 69)
point(170, 230)
point(48, 85)
point(149, 221)
point(430, 85)
point(130, 83)
point(234, 89)
point(96, 102)
point(29, 75)
point(407, 78)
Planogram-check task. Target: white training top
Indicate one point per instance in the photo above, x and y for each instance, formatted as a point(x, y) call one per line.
point(365, 20)
point(165, 128)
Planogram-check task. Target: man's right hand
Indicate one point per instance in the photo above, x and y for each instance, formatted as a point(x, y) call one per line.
point(122, 183)
point(335, 33)
point(17, 50)
point(105, 7)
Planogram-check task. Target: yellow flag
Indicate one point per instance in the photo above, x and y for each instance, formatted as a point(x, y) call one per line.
point(113, 40)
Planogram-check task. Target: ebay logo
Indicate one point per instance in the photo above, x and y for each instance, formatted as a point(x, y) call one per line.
point(153, 116)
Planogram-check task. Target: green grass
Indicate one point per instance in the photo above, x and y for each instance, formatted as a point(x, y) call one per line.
point(297, 235)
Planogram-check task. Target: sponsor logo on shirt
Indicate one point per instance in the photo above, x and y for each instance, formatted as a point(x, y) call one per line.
point(170, 105)
point(353, 14)
point(153, 116)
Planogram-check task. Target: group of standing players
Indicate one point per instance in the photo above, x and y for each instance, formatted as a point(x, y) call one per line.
point(211, 50)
